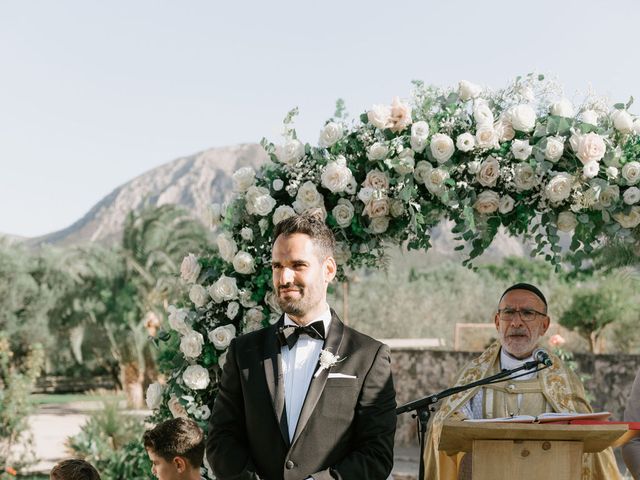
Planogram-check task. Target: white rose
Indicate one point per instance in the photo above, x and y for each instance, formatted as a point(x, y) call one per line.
point(421, 171)
point(247, 234)
point(504, 130)
point(405, 162)
point(232, 310)
point(521, 149)
point(190, 268)
point(246, 299)
point(198, 295)
point(224, 289)
point(291, 152)
point(243, 178)
point(377, 207)
point(307, 197)
point(435, 180)
point(214, 215)
point(271, 299)
point(380, 116)
point(559, 187)
point(191, 344)
point(482, 114)
point(253, 319)
point(277, 185)
point(636, 126)
point(628, 220)
point(379, 225)
point(366, 194)
point(221, 336)
point(227, 246)
point(176, 408)
point(487, 202)
point(243, 263)
point(566, 222)
point(468, 90)
point(222, 359)
point(330, 134)
point(258, 201)
point(203, 412)
point(489, 172)
point(154, 395)
point(524, 177)
point(590, 117)
point(178, 318)
point(612, 173)
point(506, 204)
point(196, 377)
point(377, 151)
point(590, 170)
point(396, 208)
point(631, 195)
point(400, 115)
point(563, 108)
point(609, 196)
point(336, 175)
point(465, 142)
point(343, 213)
point(281, 213)
point(554, 149)
point(376, 180)
point(589, 147)
point(622, 121)
point(442, 147)
point(419, 135)
point(487, 137)
point(631, 172)
point(473, 166)
point(523, 118)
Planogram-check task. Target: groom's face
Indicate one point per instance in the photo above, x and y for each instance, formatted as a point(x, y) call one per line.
point(301, 274)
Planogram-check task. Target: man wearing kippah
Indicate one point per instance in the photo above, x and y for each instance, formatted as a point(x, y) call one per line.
point(521, 320)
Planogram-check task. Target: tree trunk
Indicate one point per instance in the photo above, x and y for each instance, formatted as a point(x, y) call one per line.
point(132, 379)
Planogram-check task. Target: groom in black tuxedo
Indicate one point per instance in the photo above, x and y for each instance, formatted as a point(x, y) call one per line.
point(307, 397)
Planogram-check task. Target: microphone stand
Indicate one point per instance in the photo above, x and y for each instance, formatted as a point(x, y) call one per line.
point(424, 406)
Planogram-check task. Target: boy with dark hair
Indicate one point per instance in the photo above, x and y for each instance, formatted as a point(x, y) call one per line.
point(176, 449)
point(74, 469)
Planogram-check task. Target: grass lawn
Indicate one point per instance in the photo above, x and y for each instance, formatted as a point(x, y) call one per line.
point(62, 398)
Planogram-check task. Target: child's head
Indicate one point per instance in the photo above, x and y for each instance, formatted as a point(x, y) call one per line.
point(176, 449)
point(74, 469)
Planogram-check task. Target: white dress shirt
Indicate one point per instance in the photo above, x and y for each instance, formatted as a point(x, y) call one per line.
point(298, 366)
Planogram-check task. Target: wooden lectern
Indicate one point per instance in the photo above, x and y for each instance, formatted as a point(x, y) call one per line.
point(527, 451)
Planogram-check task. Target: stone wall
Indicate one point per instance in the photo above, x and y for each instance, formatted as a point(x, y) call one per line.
point(419, 372)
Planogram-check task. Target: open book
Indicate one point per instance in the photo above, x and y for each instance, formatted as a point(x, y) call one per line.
point(546, 418)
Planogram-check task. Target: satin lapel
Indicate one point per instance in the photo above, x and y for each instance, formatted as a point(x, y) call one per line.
point(275, 379)
point(332, 343)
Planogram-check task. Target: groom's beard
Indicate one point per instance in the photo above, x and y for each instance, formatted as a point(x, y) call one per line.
point(294, 306)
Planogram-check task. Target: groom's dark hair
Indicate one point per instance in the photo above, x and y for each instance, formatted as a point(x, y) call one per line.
point(74, 469)
point(178, 437)
point(311, 224)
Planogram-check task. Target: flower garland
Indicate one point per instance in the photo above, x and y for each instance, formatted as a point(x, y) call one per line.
point(523, 158)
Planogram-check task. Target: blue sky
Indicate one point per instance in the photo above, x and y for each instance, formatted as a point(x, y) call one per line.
point(95, 93)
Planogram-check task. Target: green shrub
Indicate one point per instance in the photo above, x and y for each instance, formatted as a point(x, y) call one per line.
point(111, 440)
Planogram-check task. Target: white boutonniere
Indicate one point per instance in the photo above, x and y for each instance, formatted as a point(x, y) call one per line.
point(327, 360)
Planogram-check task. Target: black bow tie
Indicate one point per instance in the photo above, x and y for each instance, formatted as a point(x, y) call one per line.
point(288, 334)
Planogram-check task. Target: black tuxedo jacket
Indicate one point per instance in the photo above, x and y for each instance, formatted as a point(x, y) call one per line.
point(346, 425)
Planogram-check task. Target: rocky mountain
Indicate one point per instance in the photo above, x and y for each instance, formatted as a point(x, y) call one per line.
point(195, 182)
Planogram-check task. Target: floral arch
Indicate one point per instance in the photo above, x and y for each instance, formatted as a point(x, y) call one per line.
point(522, 157)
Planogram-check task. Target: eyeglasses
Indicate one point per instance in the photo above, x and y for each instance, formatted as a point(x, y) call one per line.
point(526, 314)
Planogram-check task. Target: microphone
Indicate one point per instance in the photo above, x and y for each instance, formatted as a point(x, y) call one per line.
point(540, 355)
